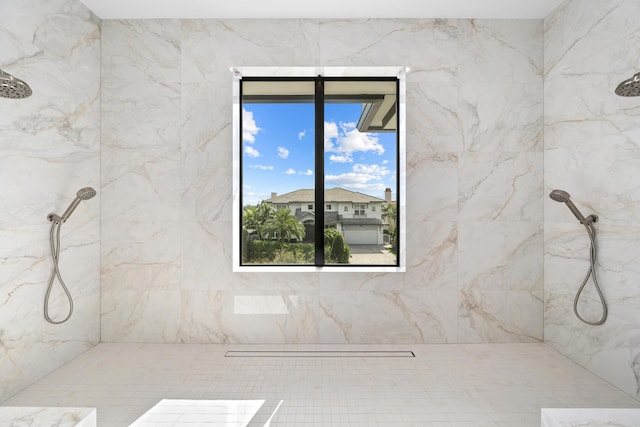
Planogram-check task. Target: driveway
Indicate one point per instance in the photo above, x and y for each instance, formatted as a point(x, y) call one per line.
point(371, 254)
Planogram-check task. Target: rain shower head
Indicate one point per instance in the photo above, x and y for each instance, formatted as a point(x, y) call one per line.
point(629, 87)
point(82, 194)
point(13, 88)
point(564, 197)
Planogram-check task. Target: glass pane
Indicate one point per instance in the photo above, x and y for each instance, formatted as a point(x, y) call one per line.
point(277, 171)
point(360, 155)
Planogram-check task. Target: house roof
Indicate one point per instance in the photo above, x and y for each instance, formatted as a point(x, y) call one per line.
point(331, 195)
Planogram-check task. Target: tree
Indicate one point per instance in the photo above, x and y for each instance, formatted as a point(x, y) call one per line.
point(340, 251)
point(255, 219)
point(284, 226)
point(336, 250)
point(389, 213)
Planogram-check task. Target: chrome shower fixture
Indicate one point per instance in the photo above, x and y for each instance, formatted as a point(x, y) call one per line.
point(563, 197)
point(85, 193)
point(588, 222)
point(11, 87)
point(629, 87)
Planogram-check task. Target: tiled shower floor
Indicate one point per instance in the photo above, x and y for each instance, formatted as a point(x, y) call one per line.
point(443, 385)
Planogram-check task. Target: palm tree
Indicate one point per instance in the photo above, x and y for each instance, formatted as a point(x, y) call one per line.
point(284, 226)
point(255, 219)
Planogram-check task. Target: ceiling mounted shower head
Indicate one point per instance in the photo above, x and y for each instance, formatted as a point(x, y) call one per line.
point(629, 87)
point(13, 88)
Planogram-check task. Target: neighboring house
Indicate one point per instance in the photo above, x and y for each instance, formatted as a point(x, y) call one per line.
point(357, 216)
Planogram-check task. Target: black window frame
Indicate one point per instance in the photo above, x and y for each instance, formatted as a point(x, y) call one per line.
point(319, 101)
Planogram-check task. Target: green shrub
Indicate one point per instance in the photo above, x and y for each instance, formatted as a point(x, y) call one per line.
point(273, 252)
point(340, 251)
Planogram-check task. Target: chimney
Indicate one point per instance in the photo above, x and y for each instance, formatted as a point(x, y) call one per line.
point(387, 195)
point(274, 195)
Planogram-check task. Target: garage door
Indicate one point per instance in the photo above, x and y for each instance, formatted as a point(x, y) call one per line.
point(361, 235)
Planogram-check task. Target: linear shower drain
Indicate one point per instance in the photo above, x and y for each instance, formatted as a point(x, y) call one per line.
point(318, 353)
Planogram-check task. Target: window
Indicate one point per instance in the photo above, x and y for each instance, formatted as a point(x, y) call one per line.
point(306, 141)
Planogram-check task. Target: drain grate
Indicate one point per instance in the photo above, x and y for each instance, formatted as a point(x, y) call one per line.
point(319, 353)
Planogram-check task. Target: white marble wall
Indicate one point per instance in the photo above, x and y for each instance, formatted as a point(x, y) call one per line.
point(592, 150)
point(49, 148)
point(474, 185)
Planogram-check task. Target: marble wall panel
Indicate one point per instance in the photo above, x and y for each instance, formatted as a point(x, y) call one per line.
point(50, 148)
point(501, 297)
point(213, 304)
point(591, 151)
point(211, 48)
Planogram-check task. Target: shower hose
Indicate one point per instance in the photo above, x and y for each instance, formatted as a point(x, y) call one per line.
point(593, 254)
point(54, 239)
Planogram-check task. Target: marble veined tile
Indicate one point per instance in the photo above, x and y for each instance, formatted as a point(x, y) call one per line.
point(500, 51)
point(207, 125)
point(433, 120)
point(431, 53)
point(500, 186)
point(133, 315)
point(141, 50)
point(141, 115)
point(211, 47)
point(48, 417)
point(432, 186)
point(503, 117)
point(501, 284)
point(140, 185)
point(587, 32)
point(50, 148)
point(140, 255)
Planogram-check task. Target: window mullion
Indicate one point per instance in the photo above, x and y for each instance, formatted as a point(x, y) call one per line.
point(319, 172)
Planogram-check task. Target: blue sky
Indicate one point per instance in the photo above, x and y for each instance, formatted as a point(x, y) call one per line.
point(278, 151)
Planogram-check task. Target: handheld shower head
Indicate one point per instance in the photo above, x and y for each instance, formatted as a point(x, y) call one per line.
point(563, 197)
point(629, 87)
point(82, 194)
point(13, 88)
point(86, 193)
point(559, 196)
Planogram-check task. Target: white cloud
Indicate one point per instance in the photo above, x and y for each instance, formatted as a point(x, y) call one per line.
point(356, 181)
point(251, 152)
point(308, 172)
point(349, 140)
point(261, 167)
point(363, 177)
point(249, 127)
point(290, 172)
point(330, 133)
point(302, 134)
point(342, 158)
point(376, 170)
point(283, 152)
